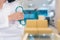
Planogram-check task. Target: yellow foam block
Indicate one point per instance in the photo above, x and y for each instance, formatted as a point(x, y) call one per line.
point(58, 25)
point(31, 23)
point(41, 17)
point(31, 30)
point(42, 24)
point(45, 30)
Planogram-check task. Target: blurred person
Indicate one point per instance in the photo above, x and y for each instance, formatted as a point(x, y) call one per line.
point(14, 30)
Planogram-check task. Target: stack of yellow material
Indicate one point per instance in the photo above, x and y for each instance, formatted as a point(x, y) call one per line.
point(58, 26)
point(37, 27)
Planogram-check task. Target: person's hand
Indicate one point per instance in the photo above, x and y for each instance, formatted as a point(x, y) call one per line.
point(16, 16)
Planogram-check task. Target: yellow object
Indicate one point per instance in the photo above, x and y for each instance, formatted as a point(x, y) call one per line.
point(58, 25)
point(37, 27)
point(31, 23)
point(41, 17)
point(42, 24)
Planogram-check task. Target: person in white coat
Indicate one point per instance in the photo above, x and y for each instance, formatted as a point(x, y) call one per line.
point(10, 28)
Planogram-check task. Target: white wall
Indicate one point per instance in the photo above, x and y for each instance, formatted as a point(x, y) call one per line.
point(57, 10)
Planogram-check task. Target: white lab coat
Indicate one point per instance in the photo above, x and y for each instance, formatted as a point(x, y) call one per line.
point(10, 30)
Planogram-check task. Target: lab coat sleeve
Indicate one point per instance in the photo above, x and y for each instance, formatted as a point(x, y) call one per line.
point(4, 21)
